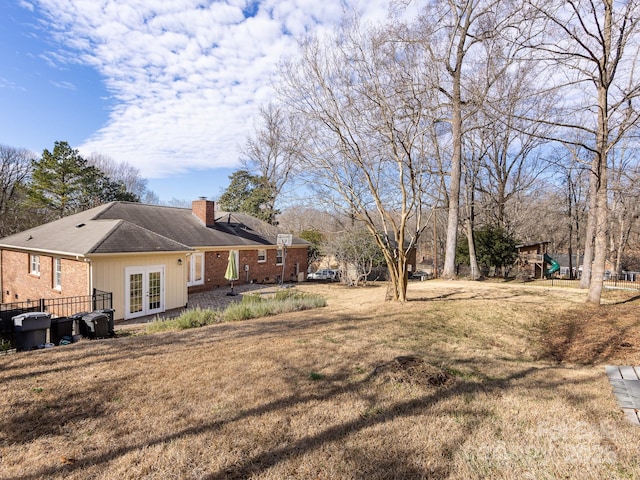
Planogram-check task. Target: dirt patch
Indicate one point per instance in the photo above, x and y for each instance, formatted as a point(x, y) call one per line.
point(412, 370)
point(586, 335)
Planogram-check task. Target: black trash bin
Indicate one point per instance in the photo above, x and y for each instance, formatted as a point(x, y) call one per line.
point(61, 327)
point(6, 330)
point(110, 312)
point(78, 324)
point(96, 324)
point(31, 329)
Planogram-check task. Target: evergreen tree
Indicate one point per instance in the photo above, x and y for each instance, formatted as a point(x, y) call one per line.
point(250, 194)
point(494, 248)
point(57, 180)
point(63, 183)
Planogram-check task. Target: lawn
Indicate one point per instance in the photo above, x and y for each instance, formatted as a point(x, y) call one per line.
point(466, 380)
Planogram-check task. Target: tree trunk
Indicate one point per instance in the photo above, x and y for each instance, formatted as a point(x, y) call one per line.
point(585, 279)
point(449, 270)
point(473, 260)
point(398, 276)
point(602, 211)
point(600, 244)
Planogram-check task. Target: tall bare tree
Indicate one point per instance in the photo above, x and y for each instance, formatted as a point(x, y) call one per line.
point(15, 170)
point(509, 147)
point(120, 172)
point(361, 96)
point(625, 197)
point(595, 42)
point(272, 150)
point(452, 33)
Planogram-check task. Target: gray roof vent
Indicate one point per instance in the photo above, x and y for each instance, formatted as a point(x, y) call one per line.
point(79, 225)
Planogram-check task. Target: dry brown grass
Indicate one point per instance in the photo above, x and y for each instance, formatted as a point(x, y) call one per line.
point(317, 395)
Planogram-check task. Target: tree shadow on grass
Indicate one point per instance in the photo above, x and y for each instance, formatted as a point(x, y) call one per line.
point(453, 297)
point(628, 300)
point(41, 415)
point(261, 462)
point(109, 351)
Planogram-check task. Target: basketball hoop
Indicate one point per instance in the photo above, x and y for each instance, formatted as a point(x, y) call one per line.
point(284, 239)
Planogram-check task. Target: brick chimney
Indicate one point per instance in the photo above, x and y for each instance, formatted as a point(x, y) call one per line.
point(203, 209)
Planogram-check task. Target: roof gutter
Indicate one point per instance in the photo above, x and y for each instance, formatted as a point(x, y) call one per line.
point(131, 254)
point(57, 253)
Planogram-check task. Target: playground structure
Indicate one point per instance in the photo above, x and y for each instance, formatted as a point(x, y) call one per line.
point(533, 260)
point(553, 266)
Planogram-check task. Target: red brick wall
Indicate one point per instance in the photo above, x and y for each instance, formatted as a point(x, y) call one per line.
point(18, 284)
point(204, 210)
point(263, 272)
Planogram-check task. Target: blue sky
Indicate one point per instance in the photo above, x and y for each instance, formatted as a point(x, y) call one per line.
point(171, 87)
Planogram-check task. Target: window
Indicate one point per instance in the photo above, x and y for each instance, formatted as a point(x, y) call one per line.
point(279, 256)
point(195, 269)
point(57, 273)
point(34, 261)
point(262, 256)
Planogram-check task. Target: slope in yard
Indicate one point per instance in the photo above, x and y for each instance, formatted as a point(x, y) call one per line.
point(466, 380)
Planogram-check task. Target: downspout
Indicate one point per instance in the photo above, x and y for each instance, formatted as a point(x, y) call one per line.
point(90, 266)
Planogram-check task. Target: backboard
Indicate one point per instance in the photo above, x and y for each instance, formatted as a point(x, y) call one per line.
point(284, 239)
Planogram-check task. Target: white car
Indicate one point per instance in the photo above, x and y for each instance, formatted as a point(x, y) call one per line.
point(324, 274)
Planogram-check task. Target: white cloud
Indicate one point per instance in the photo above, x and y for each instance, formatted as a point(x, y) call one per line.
point(187, 77)
point(64, 85)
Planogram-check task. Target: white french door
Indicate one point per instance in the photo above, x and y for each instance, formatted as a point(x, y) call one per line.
point(145, 291)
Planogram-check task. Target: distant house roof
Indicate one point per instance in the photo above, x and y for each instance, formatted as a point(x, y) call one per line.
point(126, 227)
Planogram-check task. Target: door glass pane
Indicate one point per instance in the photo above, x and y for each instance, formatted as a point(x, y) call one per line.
point(197, 274)
point(154, 290)
point(135, 293)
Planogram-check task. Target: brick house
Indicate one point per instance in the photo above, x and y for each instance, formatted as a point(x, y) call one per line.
point(150, 257)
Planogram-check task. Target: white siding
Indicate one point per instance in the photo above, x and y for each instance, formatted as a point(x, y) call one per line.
point(109, 276)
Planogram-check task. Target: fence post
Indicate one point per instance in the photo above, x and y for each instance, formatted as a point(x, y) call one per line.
point(41, 305)
point(95, 301)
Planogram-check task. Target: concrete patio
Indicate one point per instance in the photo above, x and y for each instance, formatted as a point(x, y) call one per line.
point(217, 299)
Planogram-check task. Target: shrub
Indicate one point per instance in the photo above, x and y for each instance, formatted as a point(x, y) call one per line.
point(282, 302)
point(197, 317)
point(251, 306)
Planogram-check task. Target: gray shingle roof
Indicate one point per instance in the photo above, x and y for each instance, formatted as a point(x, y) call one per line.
point(124, 227)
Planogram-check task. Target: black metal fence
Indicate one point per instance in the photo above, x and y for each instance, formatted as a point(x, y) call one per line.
point(613, 283)
point(57, 307)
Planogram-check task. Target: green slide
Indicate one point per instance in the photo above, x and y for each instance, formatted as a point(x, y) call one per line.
point(555, 266)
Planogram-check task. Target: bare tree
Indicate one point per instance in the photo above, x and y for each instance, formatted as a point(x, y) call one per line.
point(452, 33)
point(272, 150)
point(625, 196)
point(576, 173)
point(509, 147)
point(356, 252)
point(15, 169)
point(596, 44)
point(122, 172)
point(362, 100)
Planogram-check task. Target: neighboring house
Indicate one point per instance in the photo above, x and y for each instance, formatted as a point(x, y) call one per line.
point(566, 265)
point(150, 257)
point(531, 260)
